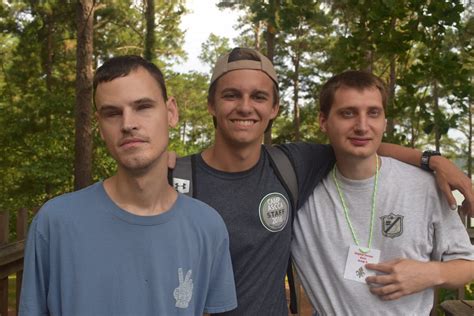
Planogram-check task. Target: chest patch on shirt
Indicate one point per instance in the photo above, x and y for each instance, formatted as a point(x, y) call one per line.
point(392, 225)
point(274, 211)
point(184, 292)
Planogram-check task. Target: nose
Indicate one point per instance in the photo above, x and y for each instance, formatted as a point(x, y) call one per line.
point(361, 124)
point(129, 122)
point(245, 105)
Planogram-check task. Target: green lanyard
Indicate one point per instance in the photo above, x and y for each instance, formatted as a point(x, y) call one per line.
point(346, 210)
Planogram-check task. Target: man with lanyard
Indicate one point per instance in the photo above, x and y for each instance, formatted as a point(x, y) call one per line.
point(235, 176)
point(373, 209)
point(129, 245)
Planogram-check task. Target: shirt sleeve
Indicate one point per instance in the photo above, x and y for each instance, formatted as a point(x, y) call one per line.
point(451, 240)
point(221, 296)
point(312, 163)
point(33, 299)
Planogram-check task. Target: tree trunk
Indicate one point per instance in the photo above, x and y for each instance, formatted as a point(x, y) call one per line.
point(391, 91)
point(469, 142)
point(150, 30)
point(83, 113)
point(256, 31)
point(296, 91)
point(391, 99)
point(436, 128)
point(270, 39)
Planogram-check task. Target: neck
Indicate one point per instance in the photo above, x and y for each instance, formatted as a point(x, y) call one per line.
point(227, 158)
point(144, 194)
point(357, 169)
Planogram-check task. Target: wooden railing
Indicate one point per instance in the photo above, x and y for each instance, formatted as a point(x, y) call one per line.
point(11, 256)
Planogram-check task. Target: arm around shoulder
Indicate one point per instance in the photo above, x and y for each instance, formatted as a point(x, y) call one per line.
point(448, 176)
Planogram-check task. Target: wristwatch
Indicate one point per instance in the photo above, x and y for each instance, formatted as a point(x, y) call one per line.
point(425, 159)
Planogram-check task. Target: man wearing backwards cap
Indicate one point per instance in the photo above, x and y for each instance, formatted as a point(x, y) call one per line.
point(236, 178)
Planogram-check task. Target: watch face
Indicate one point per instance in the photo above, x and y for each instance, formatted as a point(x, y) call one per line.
point(425, 158)
point(431, 153)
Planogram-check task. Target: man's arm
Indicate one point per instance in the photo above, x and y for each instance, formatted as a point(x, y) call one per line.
point(448, 176)
point(405, 276)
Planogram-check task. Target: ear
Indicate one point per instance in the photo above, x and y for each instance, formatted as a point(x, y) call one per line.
point(98, 125)
point(323, 122)
point(274, 112)
point(173, 114)
point(211, 109)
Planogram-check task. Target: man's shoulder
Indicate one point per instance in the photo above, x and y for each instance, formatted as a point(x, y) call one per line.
point(409, 172)
point(70, 200)
point(305, 147)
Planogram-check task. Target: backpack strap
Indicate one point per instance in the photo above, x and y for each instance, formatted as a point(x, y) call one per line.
point(182, 176)
point(286, 174)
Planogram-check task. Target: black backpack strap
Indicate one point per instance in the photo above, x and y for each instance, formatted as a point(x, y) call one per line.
point(286, 174)
point(182, 176)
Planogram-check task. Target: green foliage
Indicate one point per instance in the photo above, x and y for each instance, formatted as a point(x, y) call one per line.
point(428, 42)
point(37, 84)
point(212, 48)
point(195, 130)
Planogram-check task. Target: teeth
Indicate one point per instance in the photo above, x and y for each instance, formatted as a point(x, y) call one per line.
point(243, 122)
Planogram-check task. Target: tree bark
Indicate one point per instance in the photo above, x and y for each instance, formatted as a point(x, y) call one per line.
point(270, 39)
point(391, 98)
point(436, 128)
point(469, 144)
point(83, 113)
point(150, 30)
point(296, 92)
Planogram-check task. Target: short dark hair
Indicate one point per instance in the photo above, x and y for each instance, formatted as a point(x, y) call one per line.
point(356, 79)
point(121, 66)
point(242, 53)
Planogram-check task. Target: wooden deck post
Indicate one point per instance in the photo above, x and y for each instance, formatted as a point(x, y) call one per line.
point(4, 220)
point(21, 231)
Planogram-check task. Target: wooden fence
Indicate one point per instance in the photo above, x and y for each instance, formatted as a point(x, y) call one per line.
point(11, 256)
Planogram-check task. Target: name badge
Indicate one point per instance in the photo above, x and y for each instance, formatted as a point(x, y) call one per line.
point(356, 260)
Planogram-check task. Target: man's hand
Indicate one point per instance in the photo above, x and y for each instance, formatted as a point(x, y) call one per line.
point(449, 178)
point(402, 277)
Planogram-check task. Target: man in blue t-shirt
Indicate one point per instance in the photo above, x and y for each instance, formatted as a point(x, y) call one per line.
point(129, 245)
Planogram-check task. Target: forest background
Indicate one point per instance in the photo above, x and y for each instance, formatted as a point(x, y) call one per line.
point(49, 144)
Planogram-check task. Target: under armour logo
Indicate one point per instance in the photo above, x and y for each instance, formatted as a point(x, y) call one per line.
point(177, 186)
point(181, 185)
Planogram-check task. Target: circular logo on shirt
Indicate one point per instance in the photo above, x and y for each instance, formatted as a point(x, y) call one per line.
point(274, 211)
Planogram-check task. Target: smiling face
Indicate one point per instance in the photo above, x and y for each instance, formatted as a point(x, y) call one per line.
point(134, 119)
point(243, 106)
point(355, 123)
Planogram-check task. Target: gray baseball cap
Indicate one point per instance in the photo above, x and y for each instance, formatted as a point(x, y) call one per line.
point(223, 65)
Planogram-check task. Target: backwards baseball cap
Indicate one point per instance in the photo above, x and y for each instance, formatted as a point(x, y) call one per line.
point(243, 58)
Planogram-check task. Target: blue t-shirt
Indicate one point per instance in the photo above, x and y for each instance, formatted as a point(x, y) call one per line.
point(86, 256)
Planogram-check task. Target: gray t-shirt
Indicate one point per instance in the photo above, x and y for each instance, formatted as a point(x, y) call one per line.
point(412, 221)
point(86, 256)
point(257, 211)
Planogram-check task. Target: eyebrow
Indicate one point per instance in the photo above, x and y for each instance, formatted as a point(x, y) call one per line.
point(107, 107)
point(254, 91)
point(144, 100)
